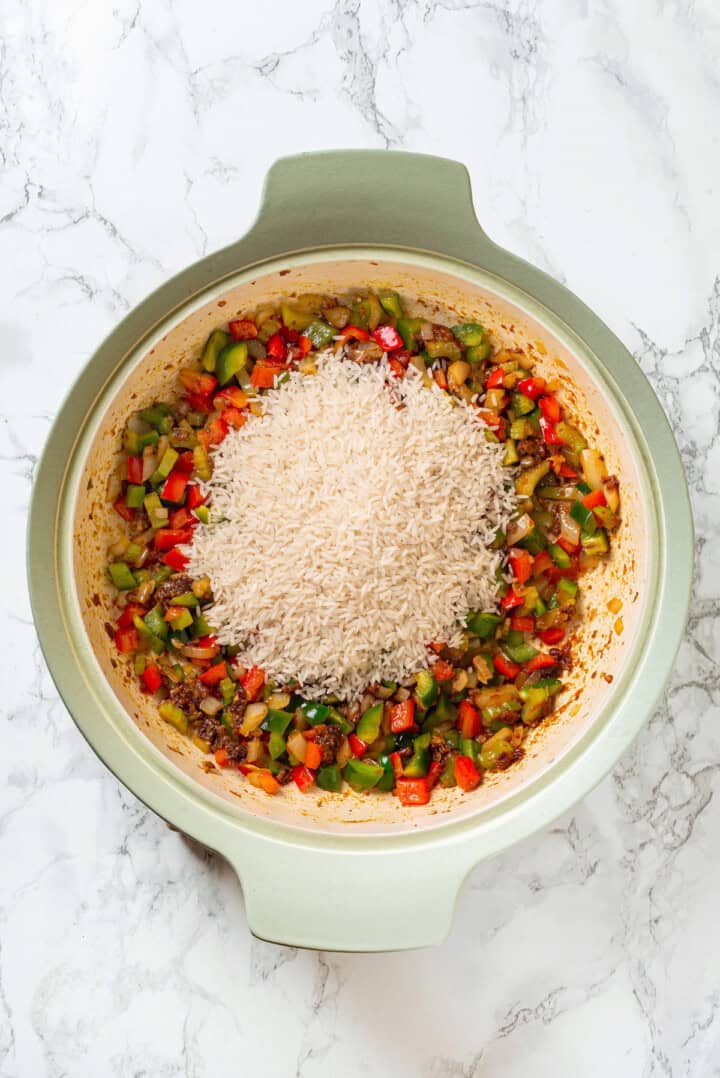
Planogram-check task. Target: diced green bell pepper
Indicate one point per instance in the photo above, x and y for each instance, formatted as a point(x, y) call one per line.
point(296, 319)
point(482, 624)
point(213, 347)
point(470, 747)
point(363, 774)
point(569, 587)
point(443, 350)
point(165, 466)
point(527, 480)
point(419, 763)
point(408, 328)
point(597, 543)
point(320, 333)
point(155, 510)
point(534, 703)
point(390, 302)
point(518, 429)
point(231, 360)
point(121, 575)
point(314, 712)
point(516, 648)
point(571, 436)
point(174, 716)
point(368, 728)
point(373, 311)
point(277, 722)
point(471, 334)
point(584, 516)
point(155, 621)
point(476, 353)
point(329, 778)
point(559, 556)
point(227, 690)
point(187, 598)
point(201, 626)
point(157, 643)
point(134, 495)
point(447, 775)
point(158, 416)
point(511, 454)
point(521, 405)
point(276, 744)
point(426, 690)
point(135, 443)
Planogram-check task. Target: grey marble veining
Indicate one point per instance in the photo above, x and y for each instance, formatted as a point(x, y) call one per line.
point(134, 138)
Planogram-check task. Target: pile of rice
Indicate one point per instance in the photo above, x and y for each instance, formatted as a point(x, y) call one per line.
point(350, 527)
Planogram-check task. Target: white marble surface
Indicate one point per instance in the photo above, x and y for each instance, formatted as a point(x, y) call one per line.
point(134, 137)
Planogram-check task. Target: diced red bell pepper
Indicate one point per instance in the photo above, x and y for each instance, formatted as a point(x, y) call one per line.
point(550, 408)
point(199, 402)
point(594, 499)
point(399, 369)
point(434, 773)
point(120, 506)
point(214, 433)
point(549, 432)
point(127, 640)
point(503, 666)
point(243, 329)
point(195, 496)
point(125, 620)
point(357, 745)
point(495, 378)
point(521, 564)
point(303, 777)
point(175, 559)
point(185, 461)
point(543, 562)
point(567, 546)
point(276, 348)
point(135, 470)
point(402, 716)
point(221, 757)
point(234, 418)
point(413, 791)
point(397, 764)
point(467, 775)
point(468, 720)
point(540, 662)
point(214, 674)
point(313, 756)
point(511, 600)
point(305, 345)
point(566, 471)
point(151, 678)
point(354, 333)
point(522, 623)
point(230, 397)
point(552, 636)
point(264, 374)
point(169, 537)
point(182, 518)
point(208, 641)
point(490, 419)
point(443, 671)
point(173, 489)
point(436, 646)
point(531, 387)
point(290, 335)
point(388, 338)
point(198, 381)
point(441, 380)
point(252, 682)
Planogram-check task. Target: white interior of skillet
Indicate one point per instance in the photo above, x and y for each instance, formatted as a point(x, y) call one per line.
point(602, 644)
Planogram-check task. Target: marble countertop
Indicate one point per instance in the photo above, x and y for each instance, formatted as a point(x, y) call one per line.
point(134, 138)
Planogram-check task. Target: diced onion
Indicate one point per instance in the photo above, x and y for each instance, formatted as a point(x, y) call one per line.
point(593, 466)
point(343, 753)
point(569, 528)
point(210, 705)
point(190, 651)
point(519, 529)
point(255, 714)
point(255, 750)
point(149, 464)
point(118, 549)
point(278, 701)
point(297, 745)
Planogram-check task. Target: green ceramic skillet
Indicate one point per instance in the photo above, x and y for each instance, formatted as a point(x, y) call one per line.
point(362, 872)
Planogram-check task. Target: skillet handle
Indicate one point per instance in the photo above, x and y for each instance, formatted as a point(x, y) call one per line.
point(369, 197)
point(337, 899)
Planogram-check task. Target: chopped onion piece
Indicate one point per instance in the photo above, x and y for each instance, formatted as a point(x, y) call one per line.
point(255, 714)
point(190, 651)
point(519, 529)
point(569, 528)
point(210, 705)
point(297, 745)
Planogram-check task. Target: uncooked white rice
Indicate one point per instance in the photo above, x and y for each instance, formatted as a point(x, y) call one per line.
point(346, 533)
